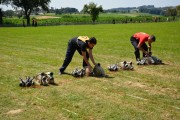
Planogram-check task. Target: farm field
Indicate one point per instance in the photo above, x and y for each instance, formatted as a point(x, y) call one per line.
point(51, 19)
point(147, 93)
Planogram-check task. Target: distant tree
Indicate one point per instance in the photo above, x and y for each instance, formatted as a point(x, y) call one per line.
point(36, 10)
point(29, 5)
point(163, 12)
point(93, 10)
point(171, 12)
point(178, 10)
point(19, 14)
point(52, 10)
point(9, 13)
point(1, 15)
point(1, 12)
point(66, 10)
point(144, 10)
point(5, 2)
point(156, 11)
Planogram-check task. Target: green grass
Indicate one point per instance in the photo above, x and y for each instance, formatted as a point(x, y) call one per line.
point(147, 93)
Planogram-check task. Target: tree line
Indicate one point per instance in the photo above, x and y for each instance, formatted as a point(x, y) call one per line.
point(29, 6)
point(33, 5)
point(164, 11)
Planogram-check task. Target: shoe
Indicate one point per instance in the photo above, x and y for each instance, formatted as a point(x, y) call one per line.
point(61, 72)
point(138, 61)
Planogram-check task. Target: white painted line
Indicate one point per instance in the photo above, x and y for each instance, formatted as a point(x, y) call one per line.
point(69, 111)
point(40, 99)
point(176, 107)
point(136, 97)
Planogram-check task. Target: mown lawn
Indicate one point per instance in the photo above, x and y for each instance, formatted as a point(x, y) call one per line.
point(147, 93)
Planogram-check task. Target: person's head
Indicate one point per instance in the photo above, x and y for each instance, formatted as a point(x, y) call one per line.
point(92, 42)
point(151, 39)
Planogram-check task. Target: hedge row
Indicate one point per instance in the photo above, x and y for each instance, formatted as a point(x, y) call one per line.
point(73, 20)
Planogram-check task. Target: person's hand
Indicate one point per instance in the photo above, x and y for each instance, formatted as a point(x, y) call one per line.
point(147, 54)
point(150, 53)
point(89, 69)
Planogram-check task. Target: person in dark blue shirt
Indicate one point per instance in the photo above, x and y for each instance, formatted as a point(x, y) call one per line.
point(84, 45)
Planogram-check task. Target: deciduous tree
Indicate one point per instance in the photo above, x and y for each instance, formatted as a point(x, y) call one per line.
point(171, 12)
point(178, 10)
point(93, 10)
point(29, 5)
point(1, 14)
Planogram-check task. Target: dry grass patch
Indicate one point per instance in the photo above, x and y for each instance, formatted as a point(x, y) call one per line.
point(13, 112)
point(160, 73)
point(45, 17)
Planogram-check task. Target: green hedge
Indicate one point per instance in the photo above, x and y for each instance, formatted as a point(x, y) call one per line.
point(70, 19)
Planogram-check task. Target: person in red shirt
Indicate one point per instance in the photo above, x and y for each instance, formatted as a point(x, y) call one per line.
point(138, 40)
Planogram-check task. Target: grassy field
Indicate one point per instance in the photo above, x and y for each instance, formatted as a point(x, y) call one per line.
point(147, 93)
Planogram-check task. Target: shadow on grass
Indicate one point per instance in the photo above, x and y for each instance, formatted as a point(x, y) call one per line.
point(106, 76)
point(54, 84)
point(40, 86)
point(153, 64)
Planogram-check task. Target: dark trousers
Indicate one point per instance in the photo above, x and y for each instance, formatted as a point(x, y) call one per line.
point(135, 43)
point(71, 49)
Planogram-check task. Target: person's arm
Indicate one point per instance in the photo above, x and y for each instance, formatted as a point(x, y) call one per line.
point(91, 56)
point(140, 48)
point(149, 47)
point(86, 60)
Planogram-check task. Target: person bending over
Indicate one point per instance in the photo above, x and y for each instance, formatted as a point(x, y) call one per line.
point(138, 40)
point(84, 45)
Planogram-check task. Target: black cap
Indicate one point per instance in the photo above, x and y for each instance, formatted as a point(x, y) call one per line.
point(152, 37)
point(93, 40)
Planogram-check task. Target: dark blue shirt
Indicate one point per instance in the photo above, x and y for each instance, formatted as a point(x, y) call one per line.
point(78, 43)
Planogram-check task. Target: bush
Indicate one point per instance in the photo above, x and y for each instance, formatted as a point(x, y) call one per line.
point(84, 19)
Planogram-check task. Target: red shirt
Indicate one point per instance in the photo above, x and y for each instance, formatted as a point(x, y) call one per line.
point(142, 37)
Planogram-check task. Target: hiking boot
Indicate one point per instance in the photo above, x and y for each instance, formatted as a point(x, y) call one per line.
point(61, 72)
point(138, 61)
